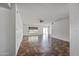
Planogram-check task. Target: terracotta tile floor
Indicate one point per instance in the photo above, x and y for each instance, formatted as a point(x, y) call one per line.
point(43, 46)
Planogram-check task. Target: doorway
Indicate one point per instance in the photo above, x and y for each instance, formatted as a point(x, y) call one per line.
point(45, 37)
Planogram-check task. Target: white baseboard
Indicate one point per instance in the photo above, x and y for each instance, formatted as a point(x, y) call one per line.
point(64, 39)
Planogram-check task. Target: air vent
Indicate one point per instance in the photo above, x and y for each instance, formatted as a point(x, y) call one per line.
point(41, 21)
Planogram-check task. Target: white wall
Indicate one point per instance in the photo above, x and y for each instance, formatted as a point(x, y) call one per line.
point(7, 31)
point(4, 31)
point(40, 28)
point(60, 29)
point(74, 29)
point(8, 44)
point(19, 29)
point(12, 41)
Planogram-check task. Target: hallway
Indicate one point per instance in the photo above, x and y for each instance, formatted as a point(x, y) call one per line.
point(42, 30)
point(43, 46)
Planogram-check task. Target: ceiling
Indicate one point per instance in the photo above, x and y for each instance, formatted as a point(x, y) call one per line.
point(48, 12)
